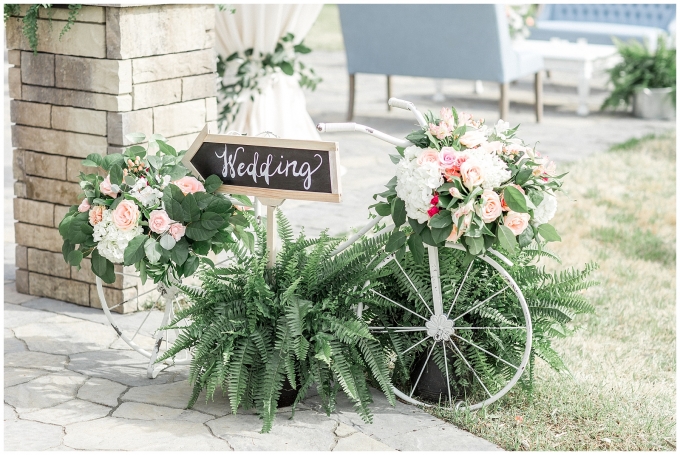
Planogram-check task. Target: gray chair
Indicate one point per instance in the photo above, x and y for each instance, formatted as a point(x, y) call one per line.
point(469, 42)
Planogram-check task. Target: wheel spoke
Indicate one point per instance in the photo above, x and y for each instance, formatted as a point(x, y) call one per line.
point(398, 304)
point(422, 369)
point(446, 367)
point(415, 345)
point(460, 288)
point(480, 303)
point(399, 329)
point(493, 328)
point(414, 287)
point(140, 325)
point(460, 354)
point(484, 350)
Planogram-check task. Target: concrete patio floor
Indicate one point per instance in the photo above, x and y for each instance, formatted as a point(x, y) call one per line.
point(69, 384)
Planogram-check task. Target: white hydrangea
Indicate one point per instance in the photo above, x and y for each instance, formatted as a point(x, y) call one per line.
point(545, 210)
point(146, 194)
point(493, 169)
point(111, 240)
point(415, 184)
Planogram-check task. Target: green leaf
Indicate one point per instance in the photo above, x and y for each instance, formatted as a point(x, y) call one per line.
point(180, 252)
point(536, 197)
point(415, 245)
point(153, 251)
point(167, 241)
point(172, 199)
point(166, 149)
point(190, 265)
point(196, 232)
point(441, 219)
point(525, 237)
point(287, 68)
point(211, 221)
point(396, 240)
point(219, 204)
point(116, 174)
point(75, 257)
point(515, 200)
point(548, 232)
point(94, 158)
point(426, 235)
point(156, 162)
point(115, 202)
point(89, 163)
point(475, 245)
point(441, 234)
point(176, 172)
point(65, 225)
point(212, 183)
point(135, 151)
point(417, 227)
point(201, 248)
point(190, 208)
point(66, 249)
point(302, 49)
point(398, 212)
point(110, 160)
point(103, 268)
point(134, 251)
point(523, 176)
point(395, 158)
point(506, 238)
point(242, 199)
point(135, 137)
point(383, 209)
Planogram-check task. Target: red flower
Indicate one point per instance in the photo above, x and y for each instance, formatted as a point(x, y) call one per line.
point(433, 211)
point(435, 199)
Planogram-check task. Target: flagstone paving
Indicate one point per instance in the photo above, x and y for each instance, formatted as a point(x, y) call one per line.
point(66, 388)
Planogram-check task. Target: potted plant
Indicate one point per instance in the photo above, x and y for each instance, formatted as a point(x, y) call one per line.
point(644, 79)
point(266, 335)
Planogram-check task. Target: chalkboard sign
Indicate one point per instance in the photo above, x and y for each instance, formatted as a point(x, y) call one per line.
point(267, 167)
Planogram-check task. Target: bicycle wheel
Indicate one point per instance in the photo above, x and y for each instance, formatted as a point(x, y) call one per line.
point(460, 339)
point(145, 336)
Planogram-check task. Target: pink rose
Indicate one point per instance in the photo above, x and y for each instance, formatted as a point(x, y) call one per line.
point(516, 222)
point(159, 221)
point(471, 174)
point(447, 157)
point(472, 139)
point(84, 206)
point(491, 206)
point(96, 214)
point(125, 216)
point(109, 189)
point(189, 185)
point(428, 156)
point(176, 230)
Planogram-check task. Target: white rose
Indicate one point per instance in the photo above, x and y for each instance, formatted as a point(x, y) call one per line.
point(545, 210)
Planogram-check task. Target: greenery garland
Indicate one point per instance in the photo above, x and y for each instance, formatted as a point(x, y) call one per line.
point(252, 67)
point(30, 20)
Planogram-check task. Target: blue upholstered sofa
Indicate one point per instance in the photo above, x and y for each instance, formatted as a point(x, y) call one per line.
point(598, 23)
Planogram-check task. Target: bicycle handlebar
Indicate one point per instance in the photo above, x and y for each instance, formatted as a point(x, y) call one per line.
point(345, 127)
point(409, 106)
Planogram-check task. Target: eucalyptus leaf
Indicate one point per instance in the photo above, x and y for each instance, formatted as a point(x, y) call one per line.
point(135, 138)
point(167, 241)
point(152, 250)
point(548, 232)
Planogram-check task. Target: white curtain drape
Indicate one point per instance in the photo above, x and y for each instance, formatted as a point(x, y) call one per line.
point(281, 107)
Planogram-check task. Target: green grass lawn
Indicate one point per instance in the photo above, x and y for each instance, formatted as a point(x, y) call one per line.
point(619, 211)
point(325, 34)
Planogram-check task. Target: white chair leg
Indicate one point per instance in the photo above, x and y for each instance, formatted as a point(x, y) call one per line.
point(438, 96)
point(479, 87)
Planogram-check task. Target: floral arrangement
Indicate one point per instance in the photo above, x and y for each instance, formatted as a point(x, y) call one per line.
point(520, 18)
point(252, 67)
point(463, 181)
point(148, 211)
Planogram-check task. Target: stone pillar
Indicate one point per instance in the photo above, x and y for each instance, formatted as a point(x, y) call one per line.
point(148, 69)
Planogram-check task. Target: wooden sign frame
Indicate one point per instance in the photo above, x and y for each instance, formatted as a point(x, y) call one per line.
point(331, 147)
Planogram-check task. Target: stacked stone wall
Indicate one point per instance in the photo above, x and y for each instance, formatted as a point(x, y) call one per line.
point(148, 69)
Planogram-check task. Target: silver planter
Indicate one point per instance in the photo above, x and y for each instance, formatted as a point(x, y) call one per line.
point(654, 103)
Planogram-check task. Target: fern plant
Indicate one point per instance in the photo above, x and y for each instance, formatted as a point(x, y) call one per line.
point(250, 328)
point(30, 20)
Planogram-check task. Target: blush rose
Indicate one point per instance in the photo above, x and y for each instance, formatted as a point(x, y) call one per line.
point(109, 189)
point(84, 206)
point(491, 206)
point(189, 185)
point(96, 214)
point(516, 222)
point(176, 230)
point(159, 221)
point(125, 216)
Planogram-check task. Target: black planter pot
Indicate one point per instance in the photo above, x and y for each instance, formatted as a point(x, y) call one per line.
point(432, 385)
point(288, 395)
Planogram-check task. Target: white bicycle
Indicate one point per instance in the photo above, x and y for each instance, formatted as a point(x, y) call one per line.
point(431, 322)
